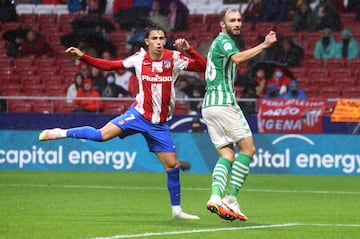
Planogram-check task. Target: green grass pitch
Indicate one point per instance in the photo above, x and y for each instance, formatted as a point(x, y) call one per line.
point(109, 205)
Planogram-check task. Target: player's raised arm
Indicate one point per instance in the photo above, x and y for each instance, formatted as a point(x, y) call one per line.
point(246, 55)
point(198, 62)
point(102, 64)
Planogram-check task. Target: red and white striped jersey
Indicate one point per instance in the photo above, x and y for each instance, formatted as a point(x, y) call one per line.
point(156, 98)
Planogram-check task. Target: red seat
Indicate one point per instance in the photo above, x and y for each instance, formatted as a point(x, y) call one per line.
point(335, 63)
point(28, 17)
point(347, 81)
point(48, 19)
point(311, 92)
point(336, 73)
point(330, 92)
point(20, 106)
point(55, 89)
point(11, 89)
point(30, 79)
point(43, 107)
point(311, 62)
point(211, 18)
point(195, 18)
point(33, 90)
point(64, 107)
point(115, 107)
point(6, 70)
point(298, 71)
point(319, 81)
point(352, 93)
point(318, 72)
point(354, 63)
point(23, 61)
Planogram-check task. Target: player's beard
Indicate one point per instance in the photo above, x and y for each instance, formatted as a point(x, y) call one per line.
point(231, 32)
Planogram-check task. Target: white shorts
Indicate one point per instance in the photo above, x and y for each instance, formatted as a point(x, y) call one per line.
point(226, 124)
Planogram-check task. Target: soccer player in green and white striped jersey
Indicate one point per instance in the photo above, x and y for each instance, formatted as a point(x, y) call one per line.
point(226, 123)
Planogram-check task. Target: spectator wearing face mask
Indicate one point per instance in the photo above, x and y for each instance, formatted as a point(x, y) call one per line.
point(113, 90)
point(347, 47)
point(294, 92)
point(326, 47)
point(280, 80)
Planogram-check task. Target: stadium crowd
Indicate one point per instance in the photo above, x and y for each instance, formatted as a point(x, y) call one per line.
point(312, 34)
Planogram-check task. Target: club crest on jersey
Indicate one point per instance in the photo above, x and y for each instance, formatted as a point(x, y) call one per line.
point(167, 64)
point(227, 46)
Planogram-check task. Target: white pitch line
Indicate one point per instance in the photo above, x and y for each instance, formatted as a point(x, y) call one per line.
point(164, 188)
point(150, 234)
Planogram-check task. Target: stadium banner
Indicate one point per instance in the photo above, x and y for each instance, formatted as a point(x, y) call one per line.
point(307, 154)
point(291, 116)
point(346, 111)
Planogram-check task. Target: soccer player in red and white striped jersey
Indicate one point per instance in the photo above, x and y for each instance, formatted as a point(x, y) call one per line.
point(157, 70)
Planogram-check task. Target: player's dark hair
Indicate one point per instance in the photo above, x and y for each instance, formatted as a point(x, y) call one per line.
point(224, 11)
point(153, 26)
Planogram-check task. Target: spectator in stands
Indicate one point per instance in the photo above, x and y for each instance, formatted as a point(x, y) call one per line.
point(176, 18)
point(8, 11)
point(157, 15)
point(249, 92)
point(353, 6)
point(96, 6)
point(113, 90)
point(196, 126)
point(76, 5)
point(84, 69)
point(327, 16)
point(280, 80)
point(275, 11)
point(287, 52)
point(254, 12)
point(261, 81)
point(326, 47)
point(98, 79)
point(347, 47)
point(36, 45)
point(181, 86)
point(14, 47)
point(143, 3)
point(294, 92)
point(272, 92)
point(74, 87)
point(119, 5)
point(88, 105)
point(127, 80)
point(304, 18)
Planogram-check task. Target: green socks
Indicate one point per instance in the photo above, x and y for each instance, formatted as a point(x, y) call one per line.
point(219, 176)
point(240, 169)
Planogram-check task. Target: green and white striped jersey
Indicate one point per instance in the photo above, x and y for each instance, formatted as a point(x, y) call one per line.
point(220, 72)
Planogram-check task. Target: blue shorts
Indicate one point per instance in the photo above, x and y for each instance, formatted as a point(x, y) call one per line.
point(157, 136)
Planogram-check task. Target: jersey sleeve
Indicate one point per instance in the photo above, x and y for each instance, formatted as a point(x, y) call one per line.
point(228, 48)
point(107, 65)
point(195, 61)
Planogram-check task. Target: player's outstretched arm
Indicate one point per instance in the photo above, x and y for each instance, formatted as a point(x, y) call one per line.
point(102, 64)
point(246, 55)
